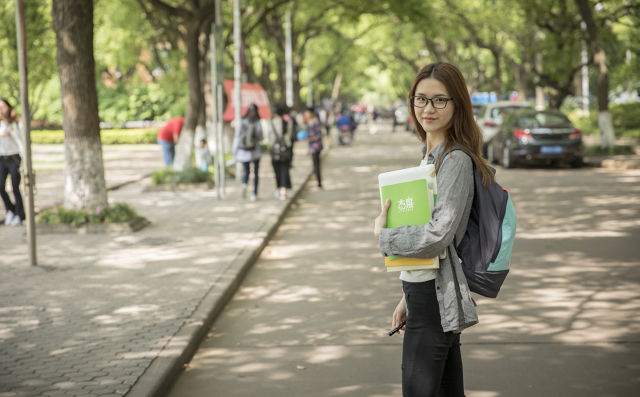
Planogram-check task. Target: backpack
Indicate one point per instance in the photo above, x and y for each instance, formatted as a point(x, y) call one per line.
point(485, 249)
point(248, 137)
point(279, 150)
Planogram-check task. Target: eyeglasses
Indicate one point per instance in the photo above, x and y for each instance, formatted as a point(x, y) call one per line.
point(437, 102)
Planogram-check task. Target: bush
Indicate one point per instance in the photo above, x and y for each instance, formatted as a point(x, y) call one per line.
point(118, 213)
point(626, 116)
point(189, 175)
point(599, 151)
point(108, 137)
point(139, 102)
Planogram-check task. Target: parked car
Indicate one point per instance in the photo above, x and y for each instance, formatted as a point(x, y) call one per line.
point(477, 110)
point(490, 118)
point(528, 135)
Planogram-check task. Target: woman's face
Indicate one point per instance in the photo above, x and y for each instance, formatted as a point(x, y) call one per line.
point(432, 120)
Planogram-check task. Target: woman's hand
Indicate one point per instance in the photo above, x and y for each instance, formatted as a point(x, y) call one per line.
point(381, 220)
point(399, 314)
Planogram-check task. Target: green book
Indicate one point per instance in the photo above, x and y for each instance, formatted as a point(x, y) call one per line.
point(409, 204)
point(412, 194)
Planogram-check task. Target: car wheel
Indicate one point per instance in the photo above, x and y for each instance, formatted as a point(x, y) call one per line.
point(491, 158)
point(577, 162)
point(507, 161)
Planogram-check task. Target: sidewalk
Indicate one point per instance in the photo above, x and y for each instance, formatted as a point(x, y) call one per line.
point(620, 162)
point(119, 314)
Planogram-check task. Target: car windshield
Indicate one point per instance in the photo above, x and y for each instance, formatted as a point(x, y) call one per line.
point(543, 120)
point(498, 113)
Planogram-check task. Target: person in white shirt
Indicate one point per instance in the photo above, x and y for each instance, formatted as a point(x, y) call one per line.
point(203, 157)
point(11, 148)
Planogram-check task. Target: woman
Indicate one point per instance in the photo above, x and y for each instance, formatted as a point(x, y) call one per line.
point(315, 141)
point(247, 149)
point(282, 129)
point(436, 304)
point(10, 149)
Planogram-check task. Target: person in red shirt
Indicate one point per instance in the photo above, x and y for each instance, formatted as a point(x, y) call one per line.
point(168, 137)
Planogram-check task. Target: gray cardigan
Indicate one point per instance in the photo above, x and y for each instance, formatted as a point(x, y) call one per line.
point(449, 221)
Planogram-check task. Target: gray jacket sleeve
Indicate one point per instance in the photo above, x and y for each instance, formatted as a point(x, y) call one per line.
point(455, 181)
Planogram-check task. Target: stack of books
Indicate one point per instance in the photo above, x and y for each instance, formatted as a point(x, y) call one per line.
point(413, 193)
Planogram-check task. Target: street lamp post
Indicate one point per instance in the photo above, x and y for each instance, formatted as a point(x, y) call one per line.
point(29, 179)
point(237, 72)
point(288, 56)
point(217, 76)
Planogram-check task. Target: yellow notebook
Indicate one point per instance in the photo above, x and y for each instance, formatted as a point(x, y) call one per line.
point(402, 263)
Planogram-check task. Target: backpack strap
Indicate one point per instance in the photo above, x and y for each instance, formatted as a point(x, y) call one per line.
point(279, 138)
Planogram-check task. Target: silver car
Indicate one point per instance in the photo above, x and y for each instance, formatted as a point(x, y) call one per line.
point(491, 116)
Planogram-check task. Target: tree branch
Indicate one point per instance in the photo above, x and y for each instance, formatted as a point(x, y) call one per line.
point(351, 42)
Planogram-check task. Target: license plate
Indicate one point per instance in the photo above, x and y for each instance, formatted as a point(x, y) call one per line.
point(551, 149)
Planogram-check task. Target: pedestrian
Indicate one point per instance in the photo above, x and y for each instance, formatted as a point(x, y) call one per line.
point(203, 157)
point(282, 129)
point(436, 304)
point(247, 149)
point(315, 141)
point(394, 120)
point(168, 137)
point(11, 150)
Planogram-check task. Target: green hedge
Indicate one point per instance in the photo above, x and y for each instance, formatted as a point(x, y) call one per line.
point(625, 118)
point(189, 175)
point(117, 213)
point(108, 137)
point(599, 151)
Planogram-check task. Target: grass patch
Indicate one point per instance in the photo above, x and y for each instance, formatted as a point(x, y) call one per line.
point(117, 213)
point(188, 175)
point(599, 151)
point(108, 137)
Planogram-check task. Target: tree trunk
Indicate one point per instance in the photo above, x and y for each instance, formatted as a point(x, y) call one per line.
point(84, 170)
point(605, 124)
point(497, 78)
point(184, 147)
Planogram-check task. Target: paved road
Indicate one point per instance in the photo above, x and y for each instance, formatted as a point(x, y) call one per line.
point(311, 317)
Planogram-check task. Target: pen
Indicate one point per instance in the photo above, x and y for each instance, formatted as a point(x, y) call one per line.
point(396, 329)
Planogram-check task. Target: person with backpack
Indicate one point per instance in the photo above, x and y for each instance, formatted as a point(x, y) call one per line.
point(247, 150)
point(436, 304)
point(11, 150)
point(281, 132)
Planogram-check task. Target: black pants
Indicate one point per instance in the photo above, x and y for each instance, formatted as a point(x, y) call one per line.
point(316, 167)
point(10, 165)
point(431, 359)
point(281, 170)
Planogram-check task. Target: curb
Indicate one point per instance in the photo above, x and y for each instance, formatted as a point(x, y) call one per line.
point(613, 162)
point(159, 377)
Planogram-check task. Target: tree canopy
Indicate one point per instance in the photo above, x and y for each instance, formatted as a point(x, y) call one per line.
point(144, 70)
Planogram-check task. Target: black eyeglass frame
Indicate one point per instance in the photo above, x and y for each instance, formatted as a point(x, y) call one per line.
point(413, 101)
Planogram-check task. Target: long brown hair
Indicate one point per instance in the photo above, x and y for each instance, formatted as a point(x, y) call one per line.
point(462, 129)
point(10, 116)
